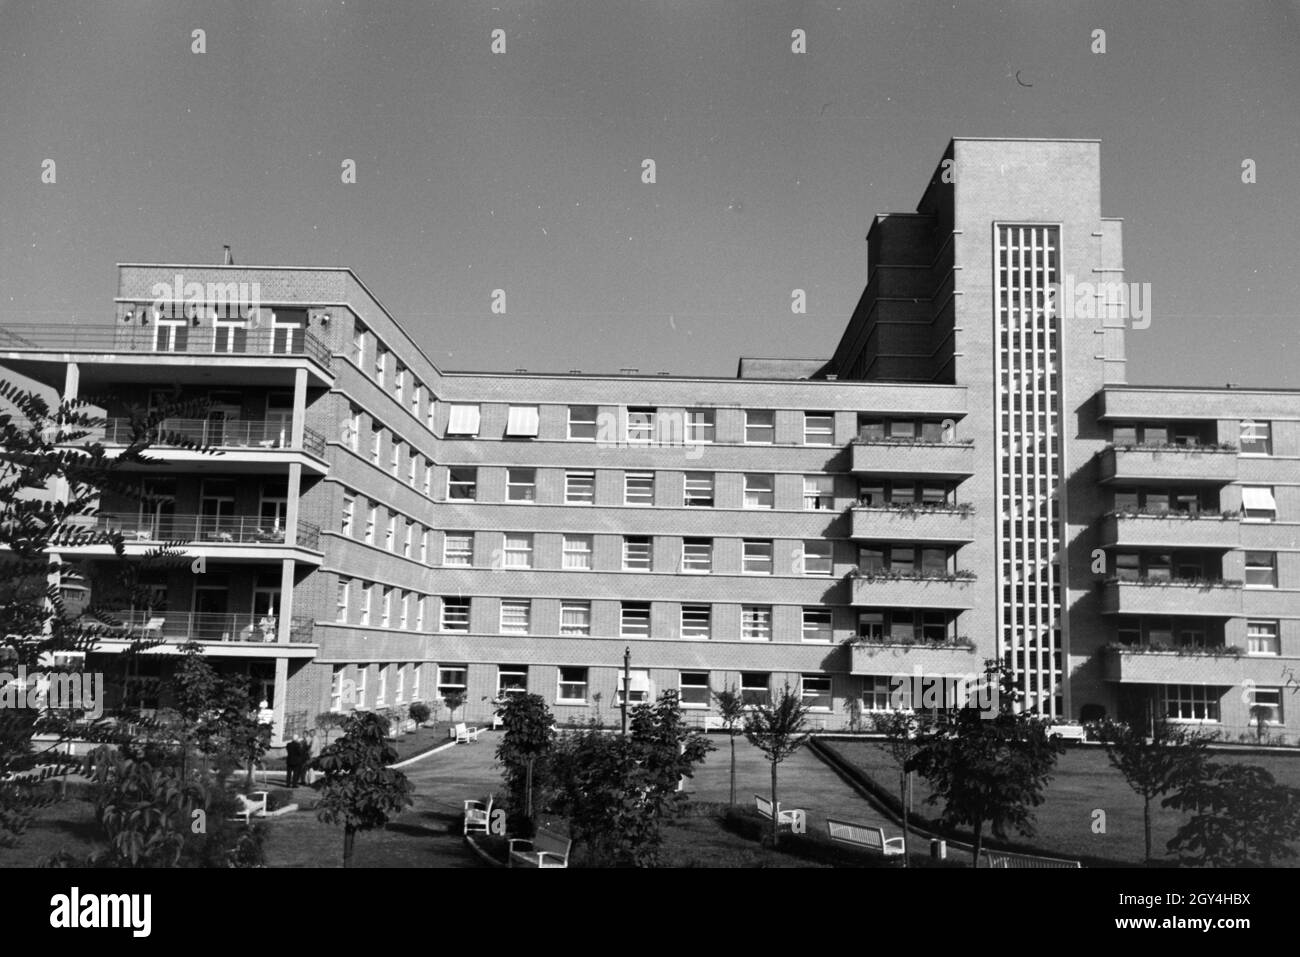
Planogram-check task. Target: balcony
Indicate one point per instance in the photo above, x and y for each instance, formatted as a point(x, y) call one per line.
point(947, 525)
point(1179, 464)
point(886, 658)
point(164, 338)
point(252, 633)
point(953, 460)
point(1172, 597)
point(201, 530)
point(1192, 666)
point(239, 435)
point(1170, 530)
point(908, 592)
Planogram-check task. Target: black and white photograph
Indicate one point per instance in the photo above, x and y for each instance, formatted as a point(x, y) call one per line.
point(652, 435)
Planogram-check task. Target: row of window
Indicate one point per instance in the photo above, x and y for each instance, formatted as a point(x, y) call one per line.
point(1257, 502)
point(1261, 567)
point(1201, 703)
point(1255, 437)
point(406, 388)
point(382, 606)
point(1261, 634)
point(348, 694)
point(402, 463)
point(384, 528)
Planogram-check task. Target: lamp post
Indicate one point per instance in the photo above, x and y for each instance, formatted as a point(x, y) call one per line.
point(627, 683)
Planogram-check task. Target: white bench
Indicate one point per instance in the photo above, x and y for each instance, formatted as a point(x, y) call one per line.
point(464, 735)
point(865, 836)
point(544, 850)
point(1008, 861)
point(251, 804)
point(478, 816)
point(1068, 732)
point(784, 818)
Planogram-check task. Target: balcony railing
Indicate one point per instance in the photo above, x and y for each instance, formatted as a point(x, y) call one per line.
point(207, 626)
point(1215, 464)
point(226, 434)
point(889, 456)
point(166, 338)
point(222, 530)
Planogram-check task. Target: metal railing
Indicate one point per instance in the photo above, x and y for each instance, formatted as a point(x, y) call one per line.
point(166, 337)
point(182, 626)
point(219, 433)
point(219, 529)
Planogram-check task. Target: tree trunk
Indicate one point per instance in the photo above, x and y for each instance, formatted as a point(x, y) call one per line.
point(733, 768)
point(1146, 827)
point(776, 827)
point(978, 844)
point(902, 799)
point(349, 844)
point(528, 792)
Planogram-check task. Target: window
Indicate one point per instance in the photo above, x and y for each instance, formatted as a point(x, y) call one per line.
point(408, 546)
point(634, 619)
point(372, 520)
point(758, 491)
point(902, 430)
point(452, 680)
point(697, 555)
point(399, 383)
point(696, 621)
point(462, 483)
point(698, 491)
point(428, 478)
point(336, 687)
point(419, 622)
point(341, 599)
point(415, 681)
point(522, 422)
point(639, 690)
point(1261, 569)
point(639, 488)
point(1267, 704)
point(455, 614)
point(381, 364)
point(401, 685)
point(871, 430)
point(818, 492)
point(386, 608)
point(359, 343)
point(636, 553)
point(700, 425)
point(756, 622)
point(359, 691)
point(572, 686)
point(390, 533)
point(1191, 702)
point(518, 550)
point(577, 552)
point(580, 488)
point(404, 611)
point(757, 557)
point(877, 693)
point(693, 689)
point(754, 687)
point(367, 599)
point(413, 470)
point(347, 524)
point(815, 690)
point(1256, 437)
point(575, 618)
point(430, 413)
point(818, 428)
point(1258, 504)
point(395, 457)
point(1261, 638)
point(424, 546)
point(760, 426)
point(817, 625)
point(416, 394)
point(376, 444)
point(817, 561)
point(511, 680)
point(521, 485)
point(458, 549)
point(463, 420)
point(582, 423)
point(352, 430)
point(516, 616)
point(641, 424)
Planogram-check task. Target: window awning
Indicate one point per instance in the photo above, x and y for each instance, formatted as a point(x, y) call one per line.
point(523, 421)
point(1258, 498)
point(640, 682)
point(463, 420)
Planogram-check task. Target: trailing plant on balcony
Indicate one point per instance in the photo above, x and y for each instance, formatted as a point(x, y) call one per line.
point(888, 440)
point(911, 509)
point(904, 641)
point(1134, 512)
point(1163, 647)
point(1176, 582)
point(1174, 447)
point(879, 575)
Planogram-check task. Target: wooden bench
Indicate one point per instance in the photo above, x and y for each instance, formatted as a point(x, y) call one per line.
point(464, 735)
point(250, 805)
point(864, 836)
point(1007, 861)
point(478, 816)
point(784, 818)
point(546, 849)
point(1068, 732)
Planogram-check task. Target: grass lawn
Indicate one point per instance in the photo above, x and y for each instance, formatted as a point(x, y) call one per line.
point(1082, 783)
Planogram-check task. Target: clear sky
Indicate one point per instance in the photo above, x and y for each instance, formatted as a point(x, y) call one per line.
point(522, 170)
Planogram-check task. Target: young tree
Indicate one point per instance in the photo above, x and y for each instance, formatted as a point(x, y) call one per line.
point(420, 713)
point(902, 740)
point(1153, 766)
point(528, 739)
point(731, 708)
point(988, 769)
point(453, 700)
point(1241, 817)
point(778, 731)
point(358, 788)
point(217, 713)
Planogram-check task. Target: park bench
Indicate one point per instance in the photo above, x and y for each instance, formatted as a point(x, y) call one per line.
point(1069, 732)
point(464, 734)
point(1008, 861)
point(478, 816)
point(546, 849)
point(250, 805)
point(783, 817)
point(864, 836)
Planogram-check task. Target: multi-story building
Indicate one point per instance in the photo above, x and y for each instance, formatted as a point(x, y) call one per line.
point(967, 477)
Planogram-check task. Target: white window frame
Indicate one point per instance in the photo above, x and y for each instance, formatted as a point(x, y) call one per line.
point(454, 625)
point(756, 492)
point(701, 426)
point(582, 424)
point(689, 499)
point(450, 556)
point(769, 427)
point(693, 564)
point(752, 550)
point(573, 684)
point(642, 422)
point(696, 622)
point(451, 484)
point(516, 605)
point(819, 493)
point(579, 487)
point(804, 693)
point(575, 629)
point(1265, 640)
point(821, 616)
point(637, 480)
point(755, 622)
point(810, 432)
point(523, 481)
point(812, 556)
point(636, 619)
point(342, 592)
point(517, 550)
point(577, 552)
point(695, 687)
point(632, 561)
point(1258, 503)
